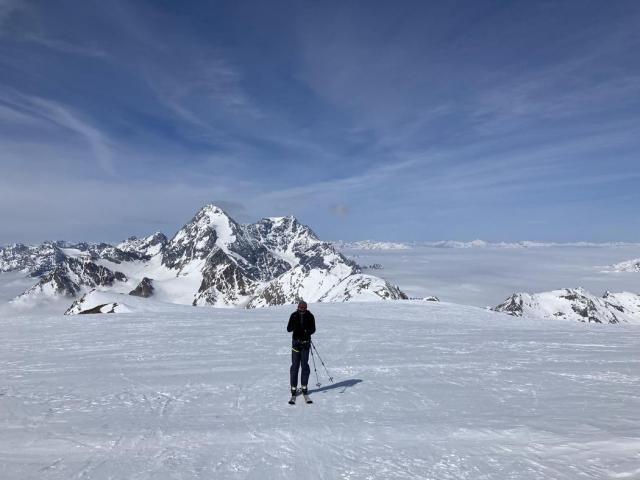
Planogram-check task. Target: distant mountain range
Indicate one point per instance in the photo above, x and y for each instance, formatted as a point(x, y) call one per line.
point(574, 304)
point(211, 260)
point(372, 245)
point(378, 245)
point(628, 266)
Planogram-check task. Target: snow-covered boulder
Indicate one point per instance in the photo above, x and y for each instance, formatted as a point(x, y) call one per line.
point(108, 301)
point(98, 302)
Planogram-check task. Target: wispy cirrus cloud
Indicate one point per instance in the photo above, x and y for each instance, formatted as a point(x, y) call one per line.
point(26, 106)
point(202, 91)
point(387, 116)
point(63, 46)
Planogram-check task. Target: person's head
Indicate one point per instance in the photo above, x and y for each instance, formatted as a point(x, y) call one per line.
point(302, 306)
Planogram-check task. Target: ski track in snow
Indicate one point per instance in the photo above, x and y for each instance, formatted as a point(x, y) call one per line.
point(423, 391)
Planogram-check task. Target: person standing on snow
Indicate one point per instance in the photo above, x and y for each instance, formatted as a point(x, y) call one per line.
point(303, 324)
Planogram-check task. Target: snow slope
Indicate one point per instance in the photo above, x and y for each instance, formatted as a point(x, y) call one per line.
point(96, 301)
point(423, 391)
point(574, 304)
point(627, 266)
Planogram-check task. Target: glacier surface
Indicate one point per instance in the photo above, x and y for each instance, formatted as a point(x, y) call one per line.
point(423, 390)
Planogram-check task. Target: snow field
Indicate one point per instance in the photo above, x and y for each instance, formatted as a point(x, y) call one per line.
point(423, 391)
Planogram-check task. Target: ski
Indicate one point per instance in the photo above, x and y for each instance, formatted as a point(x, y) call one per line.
point(307, 398)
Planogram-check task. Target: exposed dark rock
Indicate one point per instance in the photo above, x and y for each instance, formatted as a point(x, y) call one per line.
point(60, 281)
point(35, 261)
point(234, 264)
point(373, 266)
point(104, 308)
point(144, 289)
point(144, 248)
point(274, 295)
point(68, 277)
point(430, 298)
point(512, 305)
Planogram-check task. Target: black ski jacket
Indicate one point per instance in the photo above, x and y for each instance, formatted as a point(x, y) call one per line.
point(302, 324)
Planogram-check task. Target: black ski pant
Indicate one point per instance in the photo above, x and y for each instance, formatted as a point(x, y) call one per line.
point(299, 355)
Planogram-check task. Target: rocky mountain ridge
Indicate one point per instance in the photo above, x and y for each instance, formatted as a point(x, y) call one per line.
point(627, 266)
point(574, 304)
point(211, 260)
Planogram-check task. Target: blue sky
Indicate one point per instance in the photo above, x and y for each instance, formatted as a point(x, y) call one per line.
point(500, 120)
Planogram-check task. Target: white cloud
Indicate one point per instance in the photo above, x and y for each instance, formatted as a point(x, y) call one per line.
point(63, 46)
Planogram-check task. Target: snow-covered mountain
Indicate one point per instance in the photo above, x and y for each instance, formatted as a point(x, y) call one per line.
point(373, 245)
point(67, 269)
point(473, 244)
point(211, 260)
point(317, 272)
point(574, 304)
point(71, 275)
point(146, 247)
point(32, 260)
point(98, 302)
point(230, 262)
point(628, 266)
point(38, 260)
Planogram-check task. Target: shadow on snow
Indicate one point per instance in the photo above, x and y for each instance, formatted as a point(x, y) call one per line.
point(343, 384)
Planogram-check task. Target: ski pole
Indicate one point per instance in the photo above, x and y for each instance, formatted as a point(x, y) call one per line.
point(313, 359)
point(320, 358)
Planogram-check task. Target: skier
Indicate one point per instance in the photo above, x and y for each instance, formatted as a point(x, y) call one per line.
point(303, 324)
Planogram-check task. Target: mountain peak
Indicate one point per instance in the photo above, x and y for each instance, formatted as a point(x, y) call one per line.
point(287, 218)
point(211, 260)
point(211, 217)
point(209, 229)
point(211, 209)
point(148, 246)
